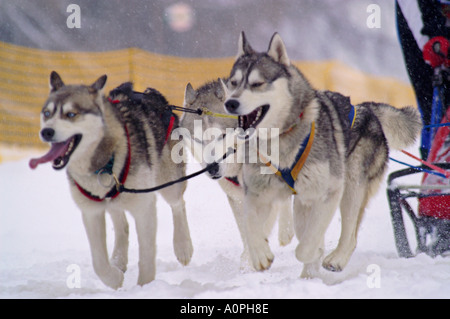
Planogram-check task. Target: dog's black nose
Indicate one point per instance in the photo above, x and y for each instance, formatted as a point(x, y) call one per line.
point(47, 134)
point(213, 169)
point(232, 105)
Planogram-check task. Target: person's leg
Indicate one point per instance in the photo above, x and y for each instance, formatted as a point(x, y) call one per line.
point(420, 75)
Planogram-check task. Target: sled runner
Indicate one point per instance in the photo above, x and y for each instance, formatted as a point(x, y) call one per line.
point(430, 211)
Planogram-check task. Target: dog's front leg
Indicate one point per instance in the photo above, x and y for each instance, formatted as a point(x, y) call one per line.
point(238, 211)
point(285, 222)
point(144, 214)
point(256, 214)
point(182, 243)
point(94, 223)
point(311, 221)
point(119, 256)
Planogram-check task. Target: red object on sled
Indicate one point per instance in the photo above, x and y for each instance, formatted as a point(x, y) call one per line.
point(437, 206)
point(435, 52)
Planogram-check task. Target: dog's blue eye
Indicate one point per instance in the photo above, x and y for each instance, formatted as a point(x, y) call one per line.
point(46, 114)
point(71, 115)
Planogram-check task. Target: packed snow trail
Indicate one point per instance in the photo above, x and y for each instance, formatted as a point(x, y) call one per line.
point(44, 251)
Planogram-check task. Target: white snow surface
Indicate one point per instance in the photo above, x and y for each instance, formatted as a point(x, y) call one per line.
point(42, 236)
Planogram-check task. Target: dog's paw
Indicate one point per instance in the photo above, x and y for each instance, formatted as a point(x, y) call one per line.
point(331, 267)
point(120, 262)
point(334, 263)
point(146, 276)
point(246, 263)
point(310, 271)
point(263, 261)
point(261, 256)
point(285, 236)
point(113, 277)
point(183, 251)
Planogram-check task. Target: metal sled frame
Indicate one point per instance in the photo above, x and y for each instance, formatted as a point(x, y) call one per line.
point(432, 233)
point(425, 227)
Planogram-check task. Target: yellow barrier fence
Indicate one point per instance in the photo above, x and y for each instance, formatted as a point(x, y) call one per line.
point(24, 75)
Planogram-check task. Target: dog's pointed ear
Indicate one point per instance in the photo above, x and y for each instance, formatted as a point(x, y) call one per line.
point(100, 83)
point(224, 92)
point(55, 82)
point(189, 94)
point(244, 47)
point(277, 50)
point(219, 91)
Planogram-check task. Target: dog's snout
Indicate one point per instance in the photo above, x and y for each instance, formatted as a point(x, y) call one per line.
point(47, 134)
point(214, 171)
point(232, 105)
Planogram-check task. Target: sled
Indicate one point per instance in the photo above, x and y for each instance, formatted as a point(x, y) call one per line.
point(426, 205)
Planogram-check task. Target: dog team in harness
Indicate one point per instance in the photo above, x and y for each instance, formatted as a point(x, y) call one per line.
point(333, 154)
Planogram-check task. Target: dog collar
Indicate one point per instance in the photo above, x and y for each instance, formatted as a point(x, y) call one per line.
point(114, 192)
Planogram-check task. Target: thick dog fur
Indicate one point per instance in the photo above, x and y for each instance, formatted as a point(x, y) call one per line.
point(345, 165)
point(212, 96)
point(86, 132)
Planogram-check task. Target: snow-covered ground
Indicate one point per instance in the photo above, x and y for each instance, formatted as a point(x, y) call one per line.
point(43, 245)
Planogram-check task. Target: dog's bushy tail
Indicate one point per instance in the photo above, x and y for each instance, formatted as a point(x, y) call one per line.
point(401, 126)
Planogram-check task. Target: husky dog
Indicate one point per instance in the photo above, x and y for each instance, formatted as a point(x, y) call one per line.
point(331, 154)
point(120, 137)
point(212, 96)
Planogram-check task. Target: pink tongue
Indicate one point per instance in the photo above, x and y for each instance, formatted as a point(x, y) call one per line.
point(57, 150)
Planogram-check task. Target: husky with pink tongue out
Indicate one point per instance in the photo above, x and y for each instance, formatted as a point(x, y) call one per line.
point(120, 138)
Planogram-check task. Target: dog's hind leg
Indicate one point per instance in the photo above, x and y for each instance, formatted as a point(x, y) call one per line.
point(119, 256)
point(182, 242)
point(144, 213)
point(94, 223)
point(353, 205)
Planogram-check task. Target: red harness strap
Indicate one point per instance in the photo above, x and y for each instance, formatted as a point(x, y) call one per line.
point(88, 194)
point(113, 101)
point(169, 129)
point(113, 193)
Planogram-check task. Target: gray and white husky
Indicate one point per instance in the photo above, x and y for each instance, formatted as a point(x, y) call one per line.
point(212, 96)
point(331, 154)
point(121, 137)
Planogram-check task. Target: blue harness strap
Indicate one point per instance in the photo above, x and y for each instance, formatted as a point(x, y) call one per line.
point(437, 110)
point(289, 175)
point(352, 116)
